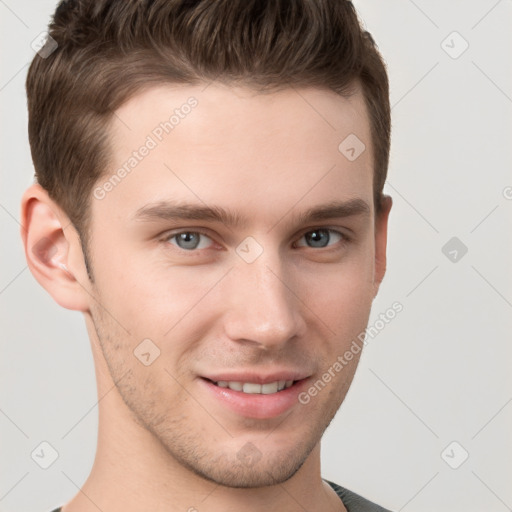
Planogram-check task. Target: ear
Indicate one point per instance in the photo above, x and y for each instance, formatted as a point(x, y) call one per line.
point(53, 250)
point(381, 235)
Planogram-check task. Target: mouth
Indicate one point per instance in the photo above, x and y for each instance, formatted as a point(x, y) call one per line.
point(251, 399)
point(254, 388)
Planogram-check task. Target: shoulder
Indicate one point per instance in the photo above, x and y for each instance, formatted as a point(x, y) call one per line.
point(354, 502)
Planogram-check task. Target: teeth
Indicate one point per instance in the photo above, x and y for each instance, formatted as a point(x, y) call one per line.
point(269, 388)
point(249, 387)
point(253, 388)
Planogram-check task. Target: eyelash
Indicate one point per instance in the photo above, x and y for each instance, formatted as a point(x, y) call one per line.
point(342, 243)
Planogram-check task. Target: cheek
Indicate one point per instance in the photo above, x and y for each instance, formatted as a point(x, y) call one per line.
point(340, 300)
point(342, 289)
point(344, 308)
point(172, 306)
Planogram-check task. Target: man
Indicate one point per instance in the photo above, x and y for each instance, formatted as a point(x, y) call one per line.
point(209, 196)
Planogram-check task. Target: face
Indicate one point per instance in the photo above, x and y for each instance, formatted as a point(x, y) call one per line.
point(234, 260)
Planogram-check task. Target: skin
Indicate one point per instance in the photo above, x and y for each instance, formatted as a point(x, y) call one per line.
point(164, 443)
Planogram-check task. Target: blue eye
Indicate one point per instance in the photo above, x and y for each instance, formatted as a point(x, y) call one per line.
point(317, 238)
point(189, 240)
point(320, 238)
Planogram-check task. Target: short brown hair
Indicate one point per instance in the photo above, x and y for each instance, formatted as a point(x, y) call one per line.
point(108, 50)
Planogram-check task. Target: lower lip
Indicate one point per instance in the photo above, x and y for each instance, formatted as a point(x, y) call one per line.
point(256, 405)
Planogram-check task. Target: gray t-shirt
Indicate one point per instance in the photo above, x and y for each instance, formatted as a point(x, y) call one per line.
point(355, 503)
point(352, 501)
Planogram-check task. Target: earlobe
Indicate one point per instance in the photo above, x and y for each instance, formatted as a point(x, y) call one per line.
point(381, 233)
point(49, 240)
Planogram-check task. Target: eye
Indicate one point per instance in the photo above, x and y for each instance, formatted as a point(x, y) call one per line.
point(188, 240)
point(319, 238)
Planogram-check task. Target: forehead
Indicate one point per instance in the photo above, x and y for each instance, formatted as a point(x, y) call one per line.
point(251, 152)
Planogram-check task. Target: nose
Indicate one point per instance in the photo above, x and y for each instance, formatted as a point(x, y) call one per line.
point(262, 306)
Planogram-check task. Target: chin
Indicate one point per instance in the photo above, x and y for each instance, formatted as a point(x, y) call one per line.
point(246, 467)
point(273, 471)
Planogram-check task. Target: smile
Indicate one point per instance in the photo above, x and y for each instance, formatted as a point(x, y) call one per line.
point(255, 388)
point(261, 400)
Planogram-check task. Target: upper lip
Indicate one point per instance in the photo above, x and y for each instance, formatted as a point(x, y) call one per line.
point(257, 377)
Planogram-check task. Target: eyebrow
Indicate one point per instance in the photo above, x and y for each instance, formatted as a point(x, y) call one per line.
point(172, 211)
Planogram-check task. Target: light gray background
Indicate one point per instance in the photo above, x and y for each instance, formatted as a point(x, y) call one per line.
point(438, 373)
